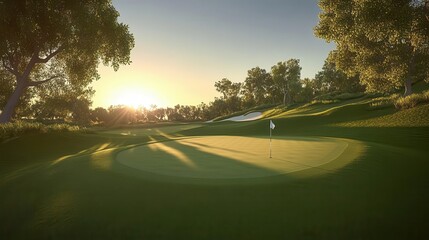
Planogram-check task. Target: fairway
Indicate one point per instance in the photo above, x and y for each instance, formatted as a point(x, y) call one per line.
point(237, 157)
point(156, 130)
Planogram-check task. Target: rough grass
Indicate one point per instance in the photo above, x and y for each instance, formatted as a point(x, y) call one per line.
point(383, 102)
point(69, 186)
point(16, 129)
point(412, 100)
point(340, 96)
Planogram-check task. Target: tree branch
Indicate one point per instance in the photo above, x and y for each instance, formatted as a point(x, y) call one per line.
point(427, 9)
point(12, 60)
point(37, 83)
point(51, 55)
point(11, 70)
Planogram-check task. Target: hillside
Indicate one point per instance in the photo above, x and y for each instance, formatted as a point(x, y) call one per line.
point(70, 184)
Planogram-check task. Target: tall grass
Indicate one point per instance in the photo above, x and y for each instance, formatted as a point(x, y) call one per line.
point(412, 100)
point(383, 102)
point(15, 129)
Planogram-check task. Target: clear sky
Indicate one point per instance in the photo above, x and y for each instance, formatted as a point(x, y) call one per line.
point(182, 47)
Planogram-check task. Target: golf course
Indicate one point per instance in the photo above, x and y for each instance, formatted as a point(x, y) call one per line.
point(214, 119)
point(338, 171)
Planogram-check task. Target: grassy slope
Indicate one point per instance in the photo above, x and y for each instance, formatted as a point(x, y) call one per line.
point(382, 195)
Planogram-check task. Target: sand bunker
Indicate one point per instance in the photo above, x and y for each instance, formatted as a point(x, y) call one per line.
point(243, 118)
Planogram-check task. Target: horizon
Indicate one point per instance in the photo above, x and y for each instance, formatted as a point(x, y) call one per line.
point(181, 51)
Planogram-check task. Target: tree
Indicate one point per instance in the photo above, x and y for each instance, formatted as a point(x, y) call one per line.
point(230, 92)
point(41, 41)
point(228, 88)
point(286, 77)
point(62, 100)
point(385, 41)
point(99, 115)
point(331, 79)
point(307, 91)
point(120, 114)
point(255, 87)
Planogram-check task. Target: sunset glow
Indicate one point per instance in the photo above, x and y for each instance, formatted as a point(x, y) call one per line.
point(134, 98)
point(183, 47)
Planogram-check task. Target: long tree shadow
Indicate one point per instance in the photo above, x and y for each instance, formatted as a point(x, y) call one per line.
point(169, 160)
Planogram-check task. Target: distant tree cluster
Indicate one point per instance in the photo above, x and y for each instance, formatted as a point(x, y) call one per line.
point(282, 85)
point(122, 115)
point(60, 101)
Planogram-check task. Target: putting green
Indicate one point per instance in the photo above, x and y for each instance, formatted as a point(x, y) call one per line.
point(217, 157)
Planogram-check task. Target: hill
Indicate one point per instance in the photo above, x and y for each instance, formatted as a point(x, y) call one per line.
point(70, 185)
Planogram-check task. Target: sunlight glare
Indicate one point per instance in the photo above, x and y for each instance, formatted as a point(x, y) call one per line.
point(135, 98)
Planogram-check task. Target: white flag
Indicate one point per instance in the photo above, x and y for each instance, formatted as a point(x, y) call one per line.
point(272, 126)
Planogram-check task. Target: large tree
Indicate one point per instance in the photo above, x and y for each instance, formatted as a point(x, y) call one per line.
point(385, 41)
point(227, 88)
point(41, 41)
point(255, 88)
point(230, 92)
point(331, 79)
point(286, 77)
point(61, 100)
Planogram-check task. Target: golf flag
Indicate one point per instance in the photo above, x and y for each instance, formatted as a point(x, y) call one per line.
point(272, 126)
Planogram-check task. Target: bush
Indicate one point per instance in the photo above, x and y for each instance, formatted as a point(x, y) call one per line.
point(383, 102)
point(412, 100)
point(15, 129)
point(314, 102)
point(348, 96)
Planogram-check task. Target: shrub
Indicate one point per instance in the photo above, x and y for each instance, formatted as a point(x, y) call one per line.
point(314, 102)
point(383, 102)
point(412, 100)
point(18, 128)
point(348, 96)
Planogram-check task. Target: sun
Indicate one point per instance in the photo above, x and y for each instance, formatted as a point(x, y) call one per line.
point(134, 98)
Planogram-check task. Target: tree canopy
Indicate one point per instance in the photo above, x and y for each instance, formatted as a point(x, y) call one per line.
point(286, 77)
point(42, 41)
point(385, 41)
point(255, 87)
point(331, 79)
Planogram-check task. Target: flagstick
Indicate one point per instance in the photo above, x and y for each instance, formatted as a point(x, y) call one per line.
point(270, 140)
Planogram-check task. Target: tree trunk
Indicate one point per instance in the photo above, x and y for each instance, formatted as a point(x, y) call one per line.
point(408, 88)
point(22, 84)
point(284, 98)
point(409, 79)
point(284, 94)
point(13, 101)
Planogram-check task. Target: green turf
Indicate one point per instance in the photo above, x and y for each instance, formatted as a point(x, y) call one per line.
point(228, 157)
point(150, 131)
point(70, 186)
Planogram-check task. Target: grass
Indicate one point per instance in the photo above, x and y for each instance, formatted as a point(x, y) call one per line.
point(412, 100)
point(234, 157)
point(68, 185)
point(340, 96)
point(16, 129)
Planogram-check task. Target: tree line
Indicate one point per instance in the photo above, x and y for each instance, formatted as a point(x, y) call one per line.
point(60, 101)
point(49, 58)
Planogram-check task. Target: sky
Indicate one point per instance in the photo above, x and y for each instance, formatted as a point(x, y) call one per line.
point(183, 47)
